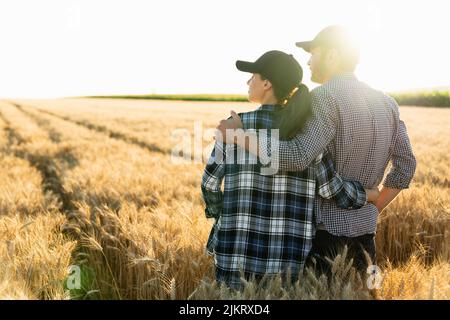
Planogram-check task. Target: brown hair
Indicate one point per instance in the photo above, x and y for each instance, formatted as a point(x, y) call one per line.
point(294, 112)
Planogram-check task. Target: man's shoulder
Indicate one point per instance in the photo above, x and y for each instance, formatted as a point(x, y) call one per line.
point(328, 92)
point(324, 94)
point(390, 100)
point(322, 90)
point(323, 100)
point(385, 98)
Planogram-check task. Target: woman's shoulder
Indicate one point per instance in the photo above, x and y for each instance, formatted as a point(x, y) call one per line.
point(257, 119)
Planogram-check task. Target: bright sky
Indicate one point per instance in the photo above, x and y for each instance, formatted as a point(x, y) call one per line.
point(53, 48)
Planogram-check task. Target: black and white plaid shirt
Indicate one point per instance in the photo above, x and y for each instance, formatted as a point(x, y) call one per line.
point(264, 223)
point(363, 130)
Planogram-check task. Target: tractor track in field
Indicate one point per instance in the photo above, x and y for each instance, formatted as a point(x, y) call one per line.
point(70, 161)
point(109, 132)
point(53, 135)
point(45, 165)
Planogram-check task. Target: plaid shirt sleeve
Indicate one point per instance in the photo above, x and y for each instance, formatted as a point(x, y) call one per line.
point(403, 161)
point(298, 153)
point(212, 181)
point(347, 194)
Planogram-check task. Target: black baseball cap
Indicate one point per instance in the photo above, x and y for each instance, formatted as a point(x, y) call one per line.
point(280, 68)
point(334, 36)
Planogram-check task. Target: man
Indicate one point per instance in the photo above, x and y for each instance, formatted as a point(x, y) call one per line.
point(363, 130)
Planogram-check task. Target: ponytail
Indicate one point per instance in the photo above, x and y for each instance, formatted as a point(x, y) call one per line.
point(295, 112)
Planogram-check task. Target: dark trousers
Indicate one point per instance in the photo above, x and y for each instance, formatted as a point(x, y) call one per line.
point(327, 245)
point(233, 279)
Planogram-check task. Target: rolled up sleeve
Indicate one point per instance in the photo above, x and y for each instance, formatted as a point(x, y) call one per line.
point(403, 161)
point(330, 185)
point(212, 181)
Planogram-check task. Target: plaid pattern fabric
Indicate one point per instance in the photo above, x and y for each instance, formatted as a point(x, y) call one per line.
point(363, 130)
point(264, 223)
point(330, 185)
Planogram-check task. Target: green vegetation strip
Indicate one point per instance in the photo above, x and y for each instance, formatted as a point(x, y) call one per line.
point(183, 97)
point(428, 99)
point(425, 98)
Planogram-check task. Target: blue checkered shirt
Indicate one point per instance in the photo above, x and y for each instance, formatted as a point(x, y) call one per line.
point(264, 223)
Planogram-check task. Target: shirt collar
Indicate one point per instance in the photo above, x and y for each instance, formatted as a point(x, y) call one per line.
point(268, 107)
point(344, 76)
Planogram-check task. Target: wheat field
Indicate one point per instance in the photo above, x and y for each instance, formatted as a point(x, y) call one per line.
point(92, 183)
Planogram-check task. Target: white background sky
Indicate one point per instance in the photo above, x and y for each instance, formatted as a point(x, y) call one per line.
point(54, 48)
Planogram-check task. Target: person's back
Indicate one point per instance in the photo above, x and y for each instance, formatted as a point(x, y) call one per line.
point(266, 221)
point(366, 133)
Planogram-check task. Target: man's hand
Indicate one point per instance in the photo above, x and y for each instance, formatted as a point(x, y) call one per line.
point(387, 195)
point(372, 195)
point(229, 124)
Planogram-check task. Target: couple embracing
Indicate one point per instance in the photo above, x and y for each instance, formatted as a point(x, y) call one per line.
point(331, 147)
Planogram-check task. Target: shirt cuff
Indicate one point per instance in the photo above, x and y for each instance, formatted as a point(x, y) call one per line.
point(395, 180)
point(360, 195)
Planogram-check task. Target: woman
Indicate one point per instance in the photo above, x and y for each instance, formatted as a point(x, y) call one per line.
point(264, 223)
